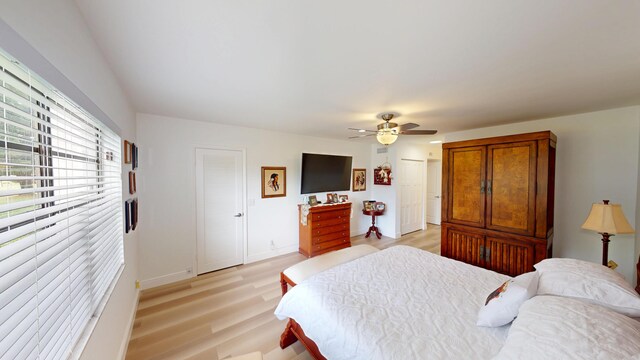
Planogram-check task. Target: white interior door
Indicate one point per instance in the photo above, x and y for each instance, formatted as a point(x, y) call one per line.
point(219, 201)
point(434, 190)
point(411, 192)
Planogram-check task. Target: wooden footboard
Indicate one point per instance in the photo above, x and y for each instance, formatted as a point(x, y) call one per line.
point(294, 332)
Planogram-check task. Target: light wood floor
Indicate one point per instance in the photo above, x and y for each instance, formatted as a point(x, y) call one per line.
point(230, 312)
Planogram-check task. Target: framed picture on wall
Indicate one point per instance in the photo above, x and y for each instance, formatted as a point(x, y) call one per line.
point(134, 156)
point(127, 152)
point(134, 213)
point(274, 181)
point(359, 180)
point(382, 176)
point(127, 217)
point(132, 182)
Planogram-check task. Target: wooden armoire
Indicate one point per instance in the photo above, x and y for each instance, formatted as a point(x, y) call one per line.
point(497, 201)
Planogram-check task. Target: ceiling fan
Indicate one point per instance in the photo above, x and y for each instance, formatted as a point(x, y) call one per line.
point(388, 132)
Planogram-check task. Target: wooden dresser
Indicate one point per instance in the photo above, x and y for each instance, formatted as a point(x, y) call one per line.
point(497, 201)
point(328, 228)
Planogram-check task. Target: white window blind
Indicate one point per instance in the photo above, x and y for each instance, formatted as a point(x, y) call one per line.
point(61, 235)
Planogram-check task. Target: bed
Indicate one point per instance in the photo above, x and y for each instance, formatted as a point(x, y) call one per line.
point(406, 303)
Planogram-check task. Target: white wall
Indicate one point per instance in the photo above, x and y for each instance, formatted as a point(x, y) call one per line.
point(404, 148)
point(167, 190)
point(56, 29)
point(597, 159)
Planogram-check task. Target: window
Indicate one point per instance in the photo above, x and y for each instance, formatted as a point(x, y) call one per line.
point(61, 237)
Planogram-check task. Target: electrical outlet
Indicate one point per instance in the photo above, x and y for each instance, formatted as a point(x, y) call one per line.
point(612, 265)
point(137, 284)
point(189, 270)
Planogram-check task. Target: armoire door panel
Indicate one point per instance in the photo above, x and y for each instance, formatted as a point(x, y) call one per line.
point(465, 246)
point(508, 257)
point(467, 186)
point(511, 187)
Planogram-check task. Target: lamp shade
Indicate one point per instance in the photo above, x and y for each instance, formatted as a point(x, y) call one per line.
point(607, 218)
point(387, 136)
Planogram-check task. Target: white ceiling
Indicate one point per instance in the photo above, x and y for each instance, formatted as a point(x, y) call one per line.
point(318, 67)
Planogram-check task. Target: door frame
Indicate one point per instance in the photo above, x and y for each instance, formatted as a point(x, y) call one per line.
point(423, 201)
point(245, 223)
point(432, 161)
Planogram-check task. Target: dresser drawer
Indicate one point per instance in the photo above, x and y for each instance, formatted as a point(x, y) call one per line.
point(328, 237)
point(326, 215)
point(329, 222)
point(330, 244)
point(322, 230)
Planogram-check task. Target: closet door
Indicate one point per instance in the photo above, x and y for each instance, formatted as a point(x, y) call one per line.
point(466, 179)
point(511, 187)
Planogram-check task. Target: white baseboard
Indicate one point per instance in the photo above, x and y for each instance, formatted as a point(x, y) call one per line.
point(358, 232)
point(272, 253)
point(166, 279)
point(125, 342)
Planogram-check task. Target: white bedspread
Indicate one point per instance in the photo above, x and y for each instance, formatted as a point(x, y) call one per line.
point(399, 303)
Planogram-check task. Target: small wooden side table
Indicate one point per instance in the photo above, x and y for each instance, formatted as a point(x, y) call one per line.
point(373, 228)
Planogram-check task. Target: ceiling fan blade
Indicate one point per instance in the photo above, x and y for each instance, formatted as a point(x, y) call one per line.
point(407, 126)
point(362, 130)
point(419, 132)
point(361, 136)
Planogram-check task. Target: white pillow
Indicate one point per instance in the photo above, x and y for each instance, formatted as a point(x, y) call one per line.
point(551, 327)
point(503, 304)
point(587, 281)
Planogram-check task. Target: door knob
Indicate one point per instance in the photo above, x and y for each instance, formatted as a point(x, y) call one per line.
point(237, 215)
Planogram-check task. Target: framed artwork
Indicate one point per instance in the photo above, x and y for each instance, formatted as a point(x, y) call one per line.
point(134, 156)
point(359, 180)
point(127, 152)
point(274, 181)
point(313, 200)
point(132, 182)
point(382, 176)
point(344, 198)
point(134, 213)
point(127, 217)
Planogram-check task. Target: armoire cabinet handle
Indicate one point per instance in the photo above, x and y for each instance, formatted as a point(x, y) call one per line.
point(489, 185)
point(481, 254)
point(481, 186)
point(487, 254)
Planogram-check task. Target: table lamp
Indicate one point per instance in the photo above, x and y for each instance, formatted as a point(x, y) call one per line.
point(607, 220)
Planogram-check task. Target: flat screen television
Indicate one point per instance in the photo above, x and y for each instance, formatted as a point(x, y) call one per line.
point(323, 173)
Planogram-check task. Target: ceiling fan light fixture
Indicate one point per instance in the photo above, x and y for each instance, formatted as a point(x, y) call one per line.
point(387, 136)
